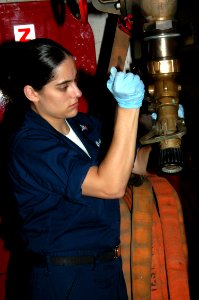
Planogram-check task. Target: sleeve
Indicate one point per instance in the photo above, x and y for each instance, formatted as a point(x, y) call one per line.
point(47, 165)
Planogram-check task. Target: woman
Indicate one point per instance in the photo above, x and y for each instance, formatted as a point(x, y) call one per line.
point(66, 199)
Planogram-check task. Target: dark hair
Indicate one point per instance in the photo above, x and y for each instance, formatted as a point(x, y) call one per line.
point(28, 63)
point(25, 63)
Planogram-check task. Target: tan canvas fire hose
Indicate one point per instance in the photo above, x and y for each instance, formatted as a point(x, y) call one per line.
point(119, 49)
point(153, 242)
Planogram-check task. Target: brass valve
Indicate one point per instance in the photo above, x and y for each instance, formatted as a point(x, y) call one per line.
point(163, 67)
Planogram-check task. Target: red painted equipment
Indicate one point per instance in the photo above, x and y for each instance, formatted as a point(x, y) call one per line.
point(83, 11)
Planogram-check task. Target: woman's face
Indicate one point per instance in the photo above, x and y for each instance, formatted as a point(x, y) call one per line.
point(58, 99)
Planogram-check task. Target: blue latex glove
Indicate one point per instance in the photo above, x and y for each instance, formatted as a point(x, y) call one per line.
point(126, 88)
point(180, 111)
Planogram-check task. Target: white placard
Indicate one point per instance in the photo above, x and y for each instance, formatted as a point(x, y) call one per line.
point(24, 33)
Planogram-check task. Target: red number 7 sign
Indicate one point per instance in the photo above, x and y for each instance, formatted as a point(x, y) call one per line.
point(24, 33)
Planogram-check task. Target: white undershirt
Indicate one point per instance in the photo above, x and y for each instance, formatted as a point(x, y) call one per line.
point(73, 137)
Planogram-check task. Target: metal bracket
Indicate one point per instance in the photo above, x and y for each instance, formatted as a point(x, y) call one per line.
point(118, 7)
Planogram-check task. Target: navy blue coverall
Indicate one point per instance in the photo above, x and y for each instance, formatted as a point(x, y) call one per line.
point(47, 170)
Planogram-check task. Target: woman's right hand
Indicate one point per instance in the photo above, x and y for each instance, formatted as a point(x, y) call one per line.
point(127, 88)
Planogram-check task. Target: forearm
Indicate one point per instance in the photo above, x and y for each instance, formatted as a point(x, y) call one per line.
point(110, 178)
point(141, 160)
point(118, 163)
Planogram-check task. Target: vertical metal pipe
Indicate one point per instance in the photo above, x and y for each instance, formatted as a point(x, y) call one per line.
point(162, 39)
